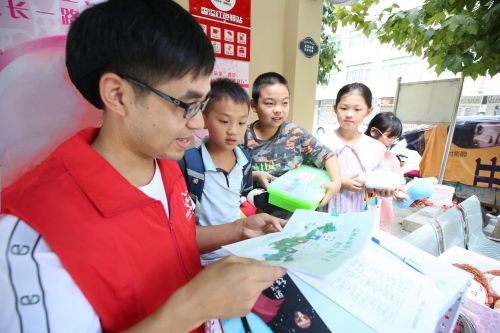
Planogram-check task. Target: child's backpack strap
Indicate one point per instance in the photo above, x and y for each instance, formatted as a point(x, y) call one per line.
point(246, 172)
point(194, 173)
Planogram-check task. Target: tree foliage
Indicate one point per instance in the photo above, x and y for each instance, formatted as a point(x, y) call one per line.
point(328, 53)
point(458, 35)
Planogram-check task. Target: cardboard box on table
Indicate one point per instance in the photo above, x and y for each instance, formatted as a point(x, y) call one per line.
point(485, 319)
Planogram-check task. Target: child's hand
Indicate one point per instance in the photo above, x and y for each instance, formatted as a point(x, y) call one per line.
point(259, 225)
point(398, 199)
point(387, 193)
point(263, 178)
point(349, 184)
point(332, 188)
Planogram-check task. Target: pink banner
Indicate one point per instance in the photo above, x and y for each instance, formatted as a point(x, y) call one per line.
point(40, 106)
point(24, 21)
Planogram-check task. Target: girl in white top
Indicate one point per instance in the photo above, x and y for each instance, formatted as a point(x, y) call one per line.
point(356, 152)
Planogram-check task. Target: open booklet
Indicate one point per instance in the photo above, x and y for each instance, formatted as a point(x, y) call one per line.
point(334, 255)
point(312, 242)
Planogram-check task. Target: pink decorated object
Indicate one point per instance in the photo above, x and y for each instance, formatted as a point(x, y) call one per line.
point(40, 106)
point(485, 319)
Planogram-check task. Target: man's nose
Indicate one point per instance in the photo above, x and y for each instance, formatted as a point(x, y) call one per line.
point(196, 122)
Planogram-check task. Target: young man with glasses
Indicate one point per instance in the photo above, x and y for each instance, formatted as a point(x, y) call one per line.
point(101, 235)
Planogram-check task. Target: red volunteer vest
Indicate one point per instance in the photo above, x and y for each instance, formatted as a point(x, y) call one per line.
point(118, 245)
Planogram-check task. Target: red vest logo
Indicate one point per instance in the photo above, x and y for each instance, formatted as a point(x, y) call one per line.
point(186, 200)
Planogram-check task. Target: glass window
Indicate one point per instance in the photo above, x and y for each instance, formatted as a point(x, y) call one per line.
point(459, 111)
point(394, 71)
point(337, 42)
point(355, 76)
point(402, 69)
point(497, 111)
point(358, 39)
point(385, 72)
point(360, 72)
point(467, 112)
point(332, 77)
point(399, 67)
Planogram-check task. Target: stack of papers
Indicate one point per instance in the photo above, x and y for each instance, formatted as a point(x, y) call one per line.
point(335, 256)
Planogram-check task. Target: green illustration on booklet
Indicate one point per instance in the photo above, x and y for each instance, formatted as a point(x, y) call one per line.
point(309, 241)
point(286, 247)
point(299, 188)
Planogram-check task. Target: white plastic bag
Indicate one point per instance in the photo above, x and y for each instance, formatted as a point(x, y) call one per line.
point(380, 179)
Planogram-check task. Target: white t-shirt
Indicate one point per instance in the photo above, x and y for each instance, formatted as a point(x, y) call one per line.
point(155, 189)
point(48, 298)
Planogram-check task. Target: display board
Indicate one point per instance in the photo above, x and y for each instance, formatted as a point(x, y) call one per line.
point(427, 102)
point(227, 24)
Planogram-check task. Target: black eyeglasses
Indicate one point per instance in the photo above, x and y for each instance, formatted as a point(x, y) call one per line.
point(190, 110)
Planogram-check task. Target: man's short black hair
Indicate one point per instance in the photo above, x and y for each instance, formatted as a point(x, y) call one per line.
point(152, 41)
point(267, 79)
point(226, 89)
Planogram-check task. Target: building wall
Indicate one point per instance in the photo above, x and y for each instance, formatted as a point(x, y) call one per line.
point(383, 83)
point(479, 105)
point(277, 26)
point(303, 19)
point(326, 111)
point(378, 57)
point(493, 106)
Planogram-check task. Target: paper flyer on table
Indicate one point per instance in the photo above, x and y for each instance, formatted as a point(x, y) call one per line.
point(334, 255)
point(387, 299)
point(311, 242)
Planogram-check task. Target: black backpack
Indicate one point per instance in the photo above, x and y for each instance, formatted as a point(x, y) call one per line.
point(194, 174)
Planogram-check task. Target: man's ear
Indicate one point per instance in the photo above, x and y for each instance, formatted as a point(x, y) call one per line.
point(253, 105)
point(115, 93)
point(204, 119)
